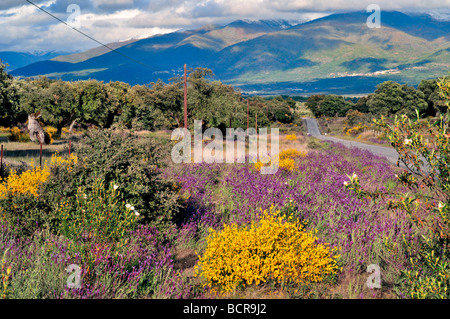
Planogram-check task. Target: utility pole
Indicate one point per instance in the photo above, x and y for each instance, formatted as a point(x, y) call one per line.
point(185, 98)
point(248, 113)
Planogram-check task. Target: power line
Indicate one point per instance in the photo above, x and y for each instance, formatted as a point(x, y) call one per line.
point(88, 36)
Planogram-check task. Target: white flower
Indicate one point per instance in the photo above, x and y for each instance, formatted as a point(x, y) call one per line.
point(345, 183)
point(132, 207)
point(116, 186)
point(440, 205)
point(396, 176)
point(136, 213)
point(354, 176)
point(128, 206)
point(85, 196)
point(407, 141)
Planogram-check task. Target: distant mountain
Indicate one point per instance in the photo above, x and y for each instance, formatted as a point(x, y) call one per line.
point(337, 53)
point(83, 56)
point(17, 60)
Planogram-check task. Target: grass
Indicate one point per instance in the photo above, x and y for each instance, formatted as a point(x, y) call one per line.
point(14, 153)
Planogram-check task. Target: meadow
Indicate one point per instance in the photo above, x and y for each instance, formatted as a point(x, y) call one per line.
point(108, 225)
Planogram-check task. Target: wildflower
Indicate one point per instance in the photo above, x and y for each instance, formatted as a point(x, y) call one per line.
point(440, 206)
point(291, 137)
point(274, 248)
point(128, 206)
point(136, 213)
point(407, 141)
point(354, 176)
point(345, 183)
point(132, 208)
point(115, 186)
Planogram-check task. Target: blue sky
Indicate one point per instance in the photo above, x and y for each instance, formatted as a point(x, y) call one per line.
point(25, 28)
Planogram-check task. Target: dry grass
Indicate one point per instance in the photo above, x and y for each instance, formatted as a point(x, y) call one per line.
point(299, 144)
point(15, 152)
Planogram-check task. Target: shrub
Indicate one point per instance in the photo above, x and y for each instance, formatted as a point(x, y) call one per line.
point(16, 135)
point(291, 137)
point(285, 160)
point(428, 203)
point(314, 143)
point(291, 153)
point(98, 213)
point(274, 248)
point(26, 182)
point(131, 163)
point(355, 130)
point(50, 134)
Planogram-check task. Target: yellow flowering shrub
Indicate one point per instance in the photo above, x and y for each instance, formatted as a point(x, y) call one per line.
point(4, 129)
point(291, 137)
point(274, 248)
point(355, 130)
point(25, 183)
point(291, 153)
point(50, 133)
point(68, 162)
point(16, 135)
point(285, 160)
point(287, 164)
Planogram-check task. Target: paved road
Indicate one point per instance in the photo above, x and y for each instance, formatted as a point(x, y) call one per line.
point(389, 153)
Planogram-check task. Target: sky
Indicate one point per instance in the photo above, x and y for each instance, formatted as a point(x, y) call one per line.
point(25, 28)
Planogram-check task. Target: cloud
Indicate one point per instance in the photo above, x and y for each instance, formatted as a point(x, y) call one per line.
point(25, 27)
point(344, 5)
point(9, 4)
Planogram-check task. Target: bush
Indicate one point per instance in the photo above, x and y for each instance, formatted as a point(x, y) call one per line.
point(98, 213)
point(26, 182)
point(123, 159)
point(428, 203)
point(314, 143)
point(16, 135)
point(50, 133)
point(274, 248)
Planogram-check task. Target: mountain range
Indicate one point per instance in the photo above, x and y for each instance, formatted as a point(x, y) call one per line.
point(338, 53)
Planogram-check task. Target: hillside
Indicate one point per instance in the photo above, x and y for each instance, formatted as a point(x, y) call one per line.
point(337, 53)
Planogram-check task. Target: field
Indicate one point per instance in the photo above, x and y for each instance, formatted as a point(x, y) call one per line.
point(155, 258)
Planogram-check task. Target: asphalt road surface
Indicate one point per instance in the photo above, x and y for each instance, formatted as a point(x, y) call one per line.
point(389, 153)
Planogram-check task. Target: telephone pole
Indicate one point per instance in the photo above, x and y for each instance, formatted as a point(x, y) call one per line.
point(248, 113)
point(185, 98)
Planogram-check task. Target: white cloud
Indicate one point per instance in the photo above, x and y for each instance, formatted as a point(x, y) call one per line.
point(27, 28)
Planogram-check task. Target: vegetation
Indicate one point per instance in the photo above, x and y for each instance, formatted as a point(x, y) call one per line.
point(390, 98)
point(156, 106)
point(119, 210)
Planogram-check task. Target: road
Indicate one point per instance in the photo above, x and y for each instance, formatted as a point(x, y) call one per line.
point(389, 153)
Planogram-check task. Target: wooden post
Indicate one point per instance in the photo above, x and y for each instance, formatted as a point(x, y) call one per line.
point(1, 163)
point(248, 113)
point(70, 146)
point(256, 122)
point(40, 155)
point(185, 98)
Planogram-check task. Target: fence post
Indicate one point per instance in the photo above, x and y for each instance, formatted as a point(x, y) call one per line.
point(40, 155)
